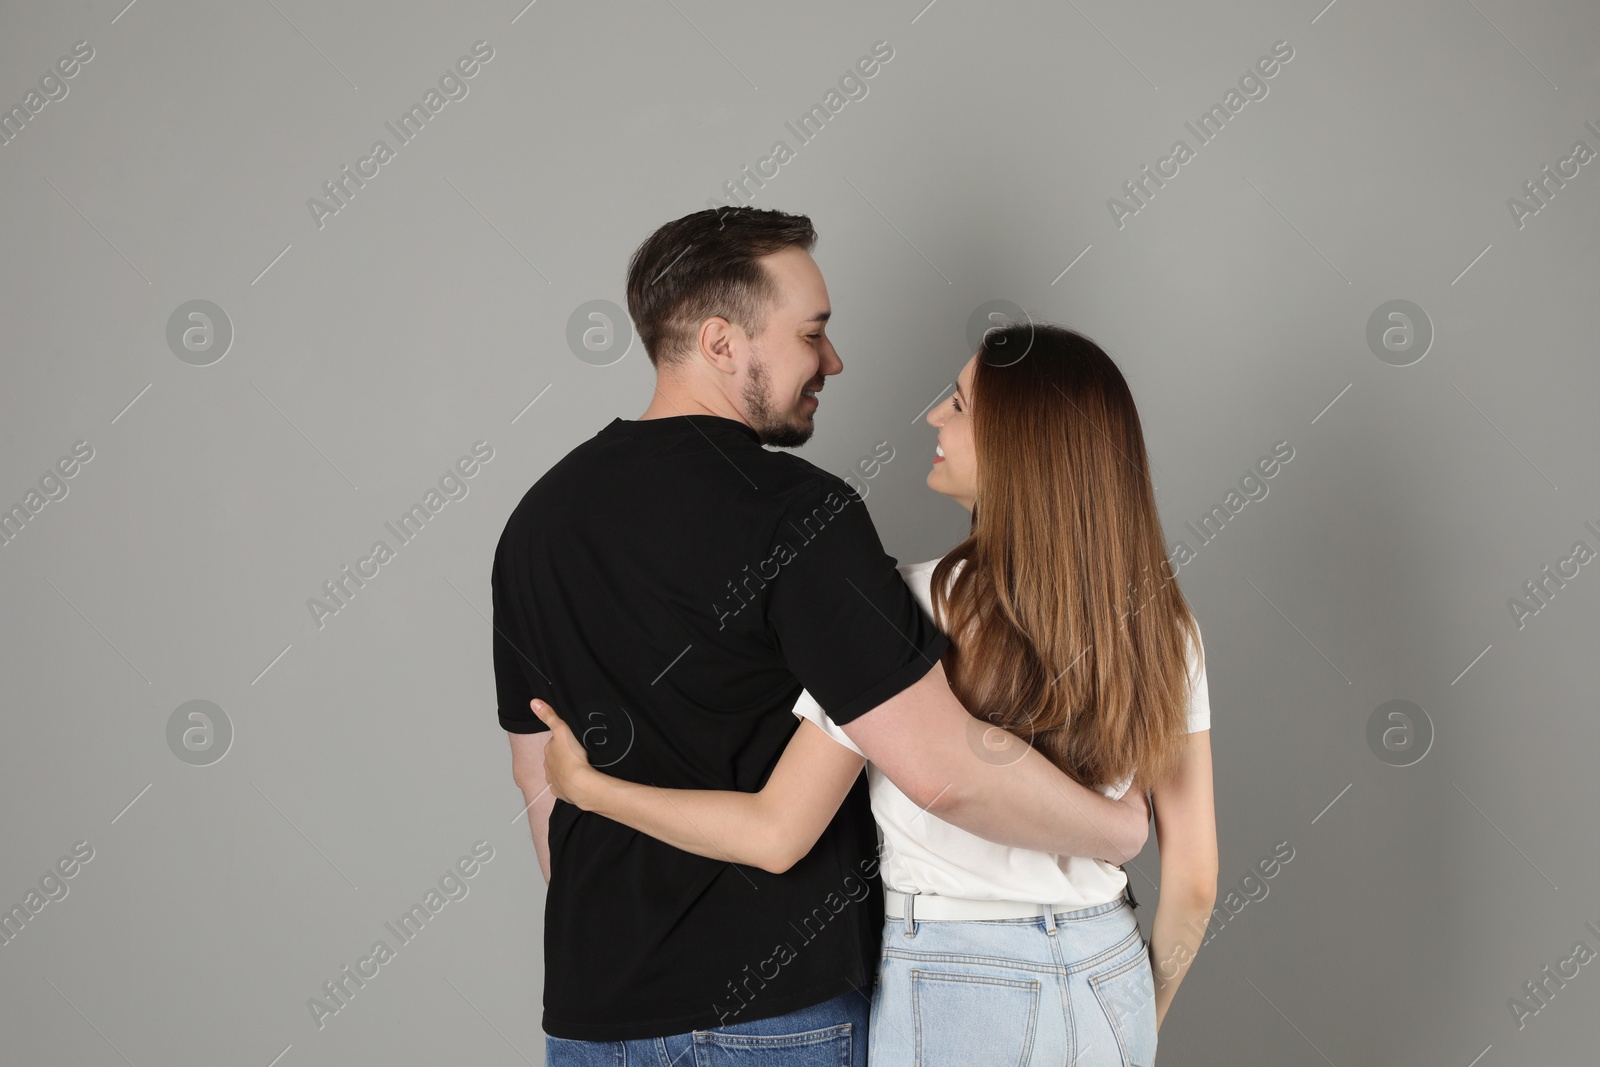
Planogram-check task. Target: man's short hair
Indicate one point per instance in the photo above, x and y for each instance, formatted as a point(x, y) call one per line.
point(705, 264)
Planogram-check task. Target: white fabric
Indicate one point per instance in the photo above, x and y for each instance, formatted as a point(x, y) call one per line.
point(935, 907)
point(925, 854)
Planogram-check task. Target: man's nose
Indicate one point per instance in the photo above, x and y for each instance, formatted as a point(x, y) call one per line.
point(832, 364)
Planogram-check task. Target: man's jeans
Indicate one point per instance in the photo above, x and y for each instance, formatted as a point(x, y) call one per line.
point(830, 1034)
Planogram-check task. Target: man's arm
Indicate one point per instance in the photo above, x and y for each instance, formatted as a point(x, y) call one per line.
point(955, 767)
point(828, 607)
point(527, 770)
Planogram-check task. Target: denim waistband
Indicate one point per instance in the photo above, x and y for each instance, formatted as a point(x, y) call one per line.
point(1048, 917)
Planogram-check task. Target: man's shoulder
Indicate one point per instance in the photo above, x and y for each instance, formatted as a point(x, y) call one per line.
point(799, 482)
point(553, 490)
point(773, 483)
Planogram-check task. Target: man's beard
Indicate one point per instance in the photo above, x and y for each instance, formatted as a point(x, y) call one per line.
point(770, 426)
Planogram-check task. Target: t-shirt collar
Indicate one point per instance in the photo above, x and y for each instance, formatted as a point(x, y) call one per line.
point(677, 424)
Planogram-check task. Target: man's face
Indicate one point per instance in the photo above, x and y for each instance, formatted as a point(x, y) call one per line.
point(792, 357)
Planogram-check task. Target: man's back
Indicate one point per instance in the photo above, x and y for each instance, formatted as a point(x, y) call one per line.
point(670, 587)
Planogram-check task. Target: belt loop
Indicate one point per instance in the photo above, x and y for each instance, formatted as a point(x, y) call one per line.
point(910, 917)
point(1127, 891)
point(1049, 919)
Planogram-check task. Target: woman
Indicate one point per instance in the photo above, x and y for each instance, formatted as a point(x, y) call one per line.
point(1068, 632)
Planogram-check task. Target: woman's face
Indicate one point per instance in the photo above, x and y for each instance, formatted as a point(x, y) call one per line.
point(955, 463)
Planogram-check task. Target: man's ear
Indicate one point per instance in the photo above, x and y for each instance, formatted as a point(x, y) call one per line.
point(719, 344)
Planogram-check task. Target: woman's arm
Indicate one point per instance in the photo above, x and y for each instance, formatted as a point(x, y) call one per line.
point(1186, 828)
point(772, 829)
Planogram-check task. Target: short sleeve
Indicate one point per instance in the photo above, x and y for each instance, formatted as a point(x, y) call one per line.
point(846, 624)
point(808, 708)
point(1199, 695)
point(511, 685)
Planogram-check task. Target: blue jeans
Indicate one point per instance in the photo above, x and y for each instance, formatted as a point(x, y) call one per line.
point(1072, 988)
point(830, 1034)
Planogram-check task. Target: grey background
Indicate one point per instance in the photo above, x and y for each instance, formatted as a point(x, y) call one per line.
point(430, 312)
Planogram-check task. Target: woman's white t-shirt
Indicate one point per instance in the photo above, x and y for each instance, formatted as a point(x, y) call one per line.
point(924, 854)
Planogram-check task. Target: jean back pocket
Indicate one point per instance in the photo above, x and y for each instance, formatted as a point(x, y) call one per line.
point(1126, 992)
point(964, 1018)
point(833, 1046)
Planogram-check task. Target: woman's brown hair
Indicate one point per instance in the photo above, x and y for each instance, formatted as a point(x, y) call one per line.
point(1067, 626)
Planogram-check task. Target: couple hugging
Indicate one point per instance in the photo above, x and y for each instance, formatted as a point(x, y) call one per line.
point(725, 885)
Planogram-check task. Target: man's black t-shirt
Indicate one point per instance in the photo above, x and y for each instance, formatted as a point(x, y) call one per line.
point(669, 587)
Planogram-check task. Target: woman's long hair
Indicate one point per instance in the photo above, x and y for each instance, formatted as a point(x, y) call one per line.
point(1067, 626)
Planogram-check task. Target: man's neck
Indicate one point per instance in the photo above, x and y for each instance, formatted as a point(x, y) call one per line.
point(672, 399)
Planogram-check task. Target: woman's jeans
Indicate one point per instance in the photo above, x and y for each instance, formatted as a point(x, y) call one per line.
point(830, 1034)
point(1070, 988)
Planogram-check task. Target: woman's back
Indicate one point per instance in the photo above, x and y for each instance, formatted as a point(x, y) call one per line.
point(925, 855)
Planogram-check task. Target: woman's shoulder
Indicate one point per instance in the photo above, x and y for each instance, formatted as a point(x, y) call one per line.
point(1197, 651)
point(1199, 714)
point(924, 571)
point(919, 576)
point(925, 568)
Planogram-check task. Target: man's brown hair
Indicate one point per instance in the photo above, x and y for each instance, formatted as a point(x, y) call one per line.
point(705, 265)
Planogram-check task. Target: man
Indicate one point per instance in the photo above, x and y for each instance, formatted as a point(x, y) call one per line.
point(669, 587)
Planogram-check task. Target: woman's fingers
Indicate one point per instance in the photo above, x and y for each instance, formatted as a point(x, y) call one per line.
point(564, 755)
point(560, 733)
point(552, 754)
point(546, 713)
